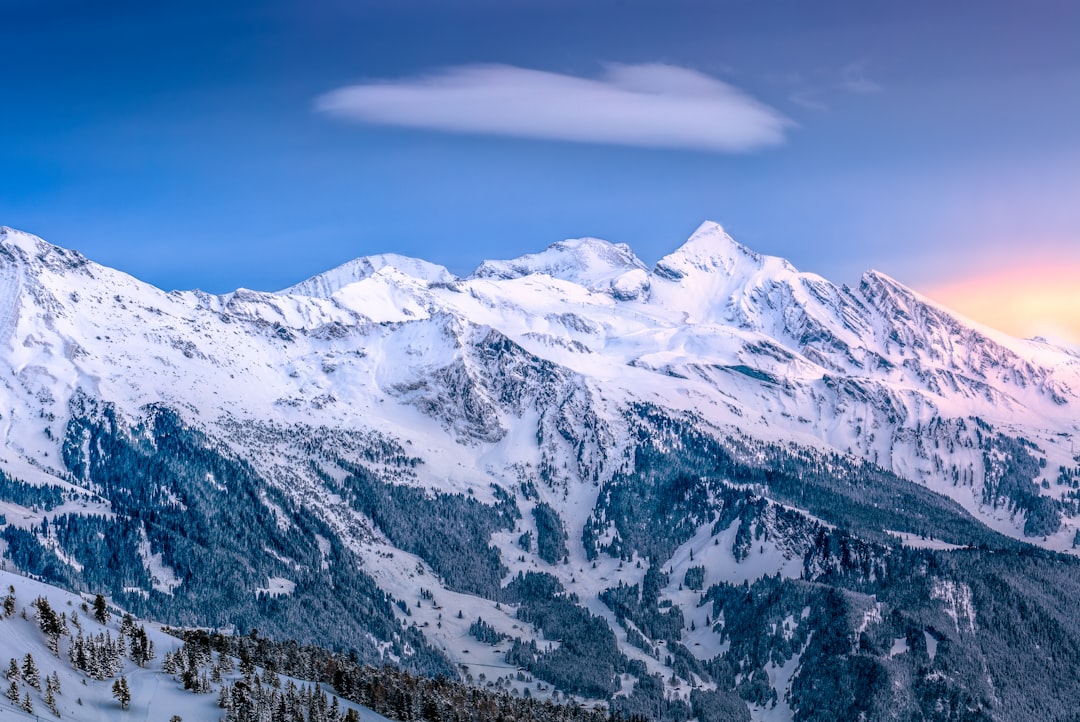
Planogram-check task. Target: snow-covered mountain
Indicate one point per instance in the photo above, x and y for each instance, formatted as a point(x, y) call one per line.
point(348, 418)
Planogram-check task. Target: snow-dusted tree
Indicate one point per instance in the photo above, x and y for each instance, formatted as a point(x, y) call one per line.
point(13, 671)
point(112, 655)
point(50, 701)
point(52, 625)
point(13, 691)
point(141, 646)
point(121, 692)
point(9, 602)
point(27, 704)
point(224, 698)
point(101, 609)
point(30, 672)
point(247, 665)
point(334, 712)
point(169, 664)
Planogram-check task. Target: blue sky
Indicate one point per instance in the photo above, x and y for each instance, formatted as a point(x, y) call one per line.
point(195, 144)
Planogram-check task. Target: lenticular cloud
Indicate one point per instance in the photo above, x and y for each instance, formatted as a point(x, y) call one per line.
point(659, 106)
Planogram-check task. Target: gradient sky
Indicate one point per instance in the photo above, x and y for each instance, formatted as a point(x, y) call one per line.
point(254, 143)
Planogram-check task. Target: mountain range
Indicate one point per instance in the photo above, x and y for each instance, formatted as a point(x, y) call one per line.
point(717, 488)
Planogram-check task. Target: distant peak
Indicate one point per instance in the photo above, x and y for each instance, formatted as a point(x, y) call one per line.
point(620, 251)
point(590, 262)
point(874, 282)
point(326, 284)
point(711, 249)
point(35, 251)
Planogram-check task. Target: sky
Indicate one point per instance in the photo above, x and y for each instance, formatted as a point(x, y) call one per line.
point(248, 143)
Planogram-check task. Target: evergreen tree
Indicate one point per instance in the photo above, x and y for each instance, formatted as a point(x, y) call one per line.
point(121, 692)
point(13, 691)
point(13, 672)
point(50, 701)
point(28, 704)
point(101, 609)
point(52, 624)
point(224, 698)
point(9, 602)
point(30, 672)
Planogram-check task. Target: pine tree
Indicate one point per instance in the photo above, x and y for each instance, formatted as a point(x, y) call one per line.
point(13, 691)
point(13, 670)
point(52, 624)
point(121, 692)
point(247, 664)
point(168, 666)
point(50, 701)
point(101, 610)
point(224, 698)
point(28, 704)
point(281, 710)
point(9, 602)
point(30, 672)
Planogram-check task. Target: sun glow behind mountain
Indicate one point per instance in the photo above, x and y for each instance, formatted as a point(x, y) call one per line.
point(1026, 301)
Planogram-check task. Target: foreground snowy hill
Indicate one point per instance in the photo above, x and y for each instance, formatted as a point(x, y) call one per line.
point(49, 680)
point(563, 467)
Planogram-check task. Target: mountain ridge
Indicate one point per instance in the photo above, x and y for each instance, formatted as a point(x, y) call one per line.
point(565, 437)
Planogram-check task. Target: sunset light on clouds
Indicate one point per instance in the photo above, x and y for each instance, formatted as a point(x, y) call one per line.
point(1026, 301)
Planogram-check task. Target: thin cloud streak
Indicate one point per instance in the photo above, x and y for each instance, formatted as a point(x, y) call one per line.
point(652, 105)
point(855, 79)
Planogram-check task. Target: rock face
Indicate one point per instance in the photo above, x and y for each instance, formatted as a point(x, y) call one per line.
point(562, 444)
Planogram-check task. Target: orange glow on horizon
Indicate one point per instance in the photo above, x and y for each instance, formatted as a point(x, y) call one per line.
point(1023, 302)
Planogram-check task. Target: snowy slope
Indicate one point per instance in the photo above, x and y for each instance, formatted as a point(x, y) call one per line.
point(326, 284)
point(155, 694)
point(588, 262)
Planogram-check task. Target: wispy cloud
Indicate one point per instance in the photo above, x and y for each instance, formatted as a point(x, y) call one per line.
point(653, 105)
point(808, 98)
point(820, 88)
point(853, 77)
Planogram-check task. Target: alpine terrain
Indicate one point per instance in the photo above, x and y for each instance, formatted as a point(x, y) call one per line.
point(715, 489)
